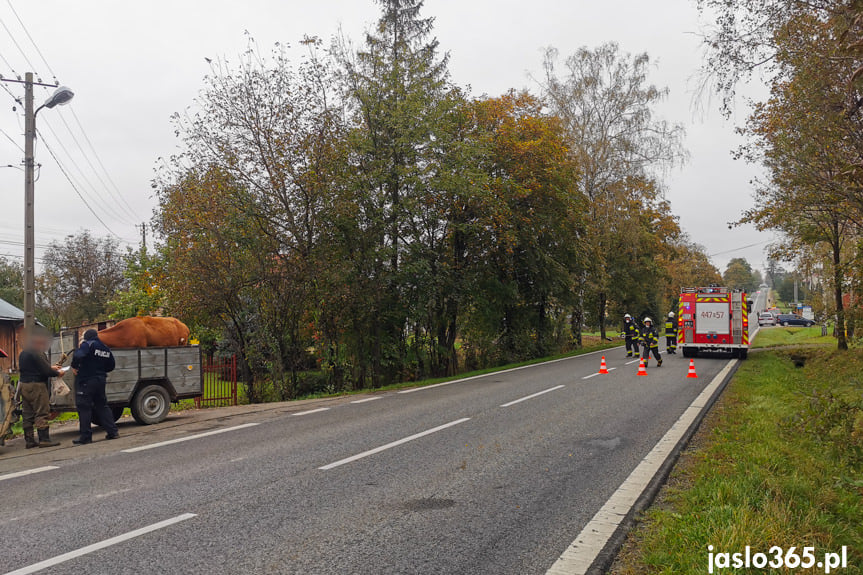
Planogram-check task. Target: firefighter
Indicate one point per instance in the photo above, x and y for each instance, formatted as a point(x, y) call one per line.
point(92, 362)
point(631, 333)
point(671, 334)
point(34, 377)
point(650, 342)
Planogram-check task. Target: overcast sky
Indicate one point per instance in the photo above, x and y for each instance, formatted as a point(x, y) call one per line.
point(133, 64)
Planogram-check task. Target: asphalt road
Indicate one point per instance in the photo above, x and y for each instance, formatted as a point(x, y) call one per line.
point(491, 475)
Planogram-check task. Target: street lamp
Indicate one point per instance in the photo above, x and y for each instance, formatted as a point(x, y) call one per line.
point(60, 97)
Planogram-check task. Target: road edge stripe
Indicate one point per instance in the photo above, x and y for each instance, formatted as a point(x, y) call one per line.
point(583, 553)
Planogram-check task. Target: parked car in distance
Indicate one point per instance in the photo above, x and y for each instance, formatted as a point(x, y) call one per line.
point(766, 318)
point(787, 319)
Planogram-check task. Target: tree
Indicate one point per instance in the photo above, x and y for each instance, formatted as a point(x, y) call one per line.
point(606, 105)
point(740, 275)
point(79, 278)
point(400, 98)
point(12, 282)
point(143, 295)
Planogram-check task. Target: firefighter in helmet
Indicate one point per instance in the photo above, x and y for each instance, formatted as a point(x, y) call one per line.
point(650, 342)
point(632, 335)
point(671, 334)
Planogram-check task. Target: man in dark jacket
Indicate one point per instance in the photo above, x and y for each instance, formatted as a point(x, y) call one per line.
point(34, 382)
point(92, 362)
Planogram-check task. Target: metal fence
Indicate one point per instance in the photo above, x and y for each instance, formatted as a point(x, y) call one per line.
point(220, 382)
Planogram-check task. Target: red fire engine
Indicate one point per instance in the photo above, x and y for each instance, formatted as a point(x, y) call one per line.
point(713, 319)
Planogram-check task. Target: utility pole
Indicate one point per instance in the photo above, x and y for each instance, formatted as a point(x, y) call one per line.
point(29, 198)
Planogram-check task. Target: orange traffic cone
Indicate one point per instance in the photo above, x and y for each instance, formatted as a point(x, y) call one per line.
point(692, 369)
point(642, 369)
point(602, 367)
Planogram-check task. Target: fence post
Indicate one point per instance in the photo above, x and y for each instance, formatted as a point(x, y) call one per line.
point(234, 378)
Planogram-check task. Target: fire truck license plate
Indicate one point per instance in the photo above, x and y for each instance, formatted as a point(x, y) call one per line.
point(712, 318)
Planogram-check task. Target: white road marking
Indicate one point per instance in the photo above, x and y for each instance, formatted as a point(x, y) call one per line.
point(532, 396)
point(589, 376)
point(27, 472)
point(581, 554)
point(101, 545)
point(318, 410)
point(633, 361)
point(188, 438)
point(367, 399)
point(393, 444)
point(471, 378)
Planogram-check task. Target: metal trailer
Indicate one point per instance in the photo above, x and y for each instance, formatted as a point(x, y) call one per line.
point(713, 318)
point(146, 380)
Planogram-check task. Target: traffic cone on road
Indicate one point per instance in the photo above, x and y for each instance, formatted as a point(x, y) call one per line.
point(603, 368)
point(692, 373)
point(642, 369)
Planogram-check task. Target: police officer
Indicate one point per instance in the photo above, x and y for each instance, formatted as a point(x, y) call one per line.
point(631, 333)
point(92, 362)
point(671, 334)
point(650, 342)
point(34, 377)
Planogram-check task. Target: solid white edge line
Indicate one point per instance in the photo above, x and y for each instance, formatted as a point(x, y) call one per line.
point(101, 545)
point(310, 411)
point(393, 444)
point(473, 377)
point(537, 394)
point(27, 472)
point(188, 438)
point(366, 400)
point(581, 554)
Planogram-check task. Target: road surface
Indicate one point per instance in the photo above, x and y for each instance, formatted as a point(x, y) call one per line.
point(493, 475)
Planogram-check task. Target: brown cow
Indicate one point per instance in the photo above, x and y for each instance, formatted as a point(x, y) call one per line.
point(146, 332)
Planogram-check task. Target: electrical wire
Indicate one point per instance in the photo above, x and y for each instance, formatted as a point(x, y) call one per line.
point(121, 202)
point(739, 249)
point(11, 139)
point(74, 187)
point(98, 197)
point(29, 37)
point(17, 45)
point(118, 195)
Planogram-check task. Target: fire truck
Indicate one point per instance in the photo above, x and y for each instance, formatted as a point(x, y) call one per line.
point(713, 318)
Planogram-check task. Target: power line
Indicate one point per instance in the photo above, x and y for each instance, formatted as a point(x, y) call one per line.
point(29, 37)
point(11, 139)
point(122, 202)
point(74, 187)
point(739, 249)
point(17, 45)
point(119, 195)
point(110, 207)
point(8, 91)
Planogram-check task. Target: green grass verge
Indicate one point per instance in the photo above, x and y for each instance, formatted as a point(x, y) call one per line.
point(779, 462)
point(782, 336)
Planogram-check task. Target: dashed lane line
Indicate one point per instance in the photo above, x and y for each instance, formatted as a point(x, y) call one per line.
point(101, 545)
point(188, 438)
point(366, 400)
point(27, 472)
point(473, 377)
point(310, 411)
point(393, 444)
point(537, 394)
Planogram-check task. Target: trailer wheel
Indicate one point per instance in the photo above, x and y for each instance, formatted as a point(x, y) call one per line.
point(151, 405)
